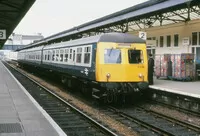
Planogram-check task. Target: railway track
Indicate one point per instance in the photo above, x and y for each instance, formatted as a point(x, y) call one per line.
point(150, 123)
point(181, 109)
point(73, 121)
point(141, 120)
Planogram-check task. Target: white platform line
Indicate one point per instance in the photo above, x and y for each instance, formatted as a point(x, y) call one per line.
point(46, 115)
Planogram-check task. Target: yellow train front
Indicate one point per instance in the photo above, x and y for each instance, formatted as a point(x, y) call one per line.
point(121, 68)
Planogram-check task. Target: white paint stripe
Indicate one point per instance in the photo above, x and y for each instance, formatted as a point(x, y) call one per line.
point(51, 121)
point(175, 91)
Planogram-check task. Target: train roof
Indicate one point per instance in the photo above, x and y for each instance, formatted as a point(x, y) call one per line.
point(33, 49)
point(107, 37)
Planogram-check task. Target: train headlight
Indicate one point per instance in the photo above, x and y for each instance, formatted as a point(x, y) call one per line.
point(108, 75)
point(140, 75)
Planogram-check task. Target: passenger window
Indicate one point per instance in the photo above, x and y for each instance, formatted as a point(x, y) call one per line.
point(53, 56)
point(73, 55)
point(112, 56)
point(78, 55)
point(87, 51)
point(48, 58)
point(61, 54)
point(66, 55)
point(70, 54)
point(45, 55)
point(135, 56)
point(57, 55)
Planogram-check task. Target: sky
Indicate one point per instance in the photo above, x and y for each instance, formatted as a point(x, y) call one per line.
point(49, 17)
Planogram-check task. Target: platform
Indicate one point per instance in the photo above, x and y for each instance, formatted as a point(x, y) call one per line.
point(20, 114)
point(189, 88)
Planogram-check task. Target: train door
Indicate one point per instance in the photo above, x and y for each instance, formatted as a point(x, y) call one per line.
point(74, 56)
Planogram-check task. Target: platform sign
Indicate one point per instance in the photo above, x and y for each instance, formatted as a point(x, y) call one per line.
point(143, 35)
point(2, 34)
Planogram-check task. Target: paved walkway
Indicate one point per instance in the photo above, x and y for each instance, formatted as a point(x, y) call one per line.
point(20, 114)
point(185, 88)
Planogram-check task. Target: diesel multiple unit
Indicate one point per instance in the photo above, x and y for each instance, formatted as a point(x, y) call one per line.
point(107, 66)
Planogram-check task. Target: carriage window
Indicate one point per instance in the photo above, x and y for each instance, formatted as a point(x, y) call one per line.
point(135, 56)
point(53, 56)
point(45, 55)
point(61, 54)
point(66, 55)
point(87, 51)
point(73, 55)
point(70, 54)
point(79, 55)
point(48, 58)
point(57, 55)
point(112, 56)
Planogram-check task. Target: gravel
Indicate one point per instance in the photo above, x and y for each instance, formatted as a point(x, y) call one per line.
point(175, 114)
point(117, 126)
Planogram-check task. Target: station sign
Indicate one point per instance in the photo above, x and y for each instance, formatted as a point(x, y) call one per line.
point(151, 43)
point(2, 34)
point(143, 35)
point(186, 41)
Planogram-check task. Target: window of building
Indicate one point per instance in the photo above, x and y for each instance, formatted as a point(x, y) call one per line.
point(176, 39)
point(161, 41)
point(199, 38)
point(194, 38)
point(112, 56)
point(87, 51)
point(168, 41)
point(79, 55)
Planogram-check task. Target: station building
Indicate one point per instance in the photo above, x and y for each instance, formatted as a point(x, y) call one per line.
point(176, 38)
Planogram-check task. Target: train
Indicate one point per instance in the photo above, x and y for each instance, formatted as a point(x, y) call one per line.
point(108, 66)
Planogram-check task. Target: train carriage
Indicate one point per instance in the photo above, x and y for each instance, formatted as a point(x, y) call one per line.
point(108, 66)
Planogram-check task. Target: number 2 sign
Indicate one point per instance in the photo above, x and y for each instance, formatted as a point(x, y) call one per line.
point(2, 34)
point(143, 35)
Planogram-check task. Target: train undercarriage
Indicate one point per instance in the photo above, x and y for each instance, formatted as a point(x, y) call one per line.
point(106, 92)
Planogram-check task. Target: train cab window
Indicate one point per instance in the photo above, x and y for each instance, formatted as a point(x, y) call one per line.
point(79, 55)
point(61, 54)
point(112, 56)
point(66, 55)
point(87, 51)
point(135, 56)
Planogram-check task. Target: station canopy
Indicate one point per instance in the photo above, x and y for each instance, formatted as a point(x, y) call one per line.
point(145, 15)
point(11, 13)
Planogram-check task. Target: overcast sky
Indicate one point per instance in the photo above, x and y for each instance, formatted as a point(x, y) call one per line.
point(52, 16)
